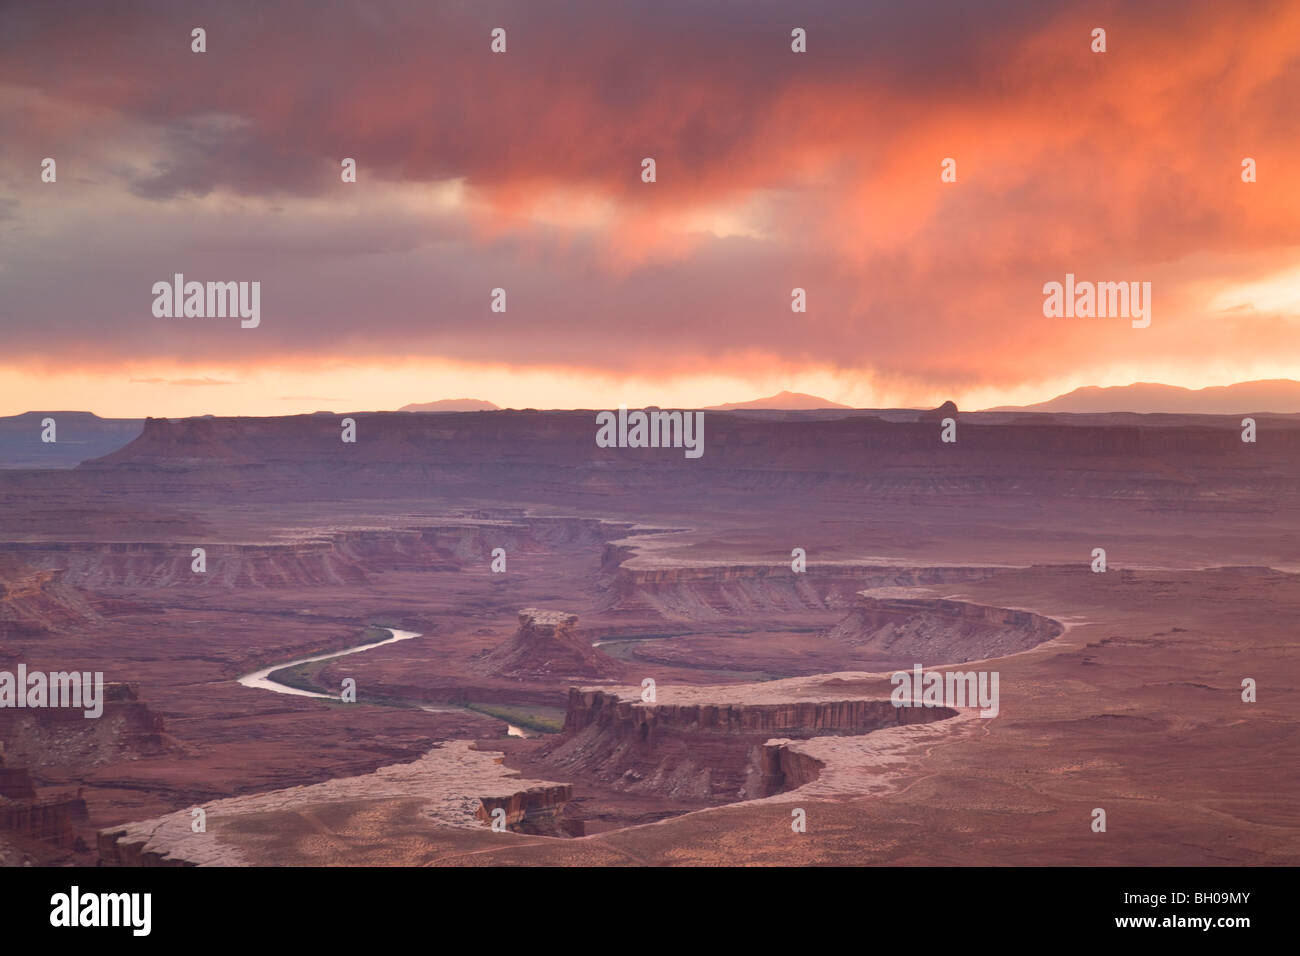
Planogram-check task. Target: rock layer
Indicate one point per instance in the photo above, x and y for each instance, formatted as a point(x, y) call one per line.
point(39, 817)
point(712, 593)
point(552, 455)
point(64, 740)
point(907, 631)
point(453, 785)
point(548, 644)
point(710, 742)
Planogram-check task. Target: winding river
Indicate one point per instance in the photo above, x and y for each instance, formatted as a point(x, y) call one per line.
point(262, 679)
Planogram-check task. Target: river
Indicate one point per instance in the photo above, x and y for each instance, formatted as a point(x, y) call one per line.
point(262, 679)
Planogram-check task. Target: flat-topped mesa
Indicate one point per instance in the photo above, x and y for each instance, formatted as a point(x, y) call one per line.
point(709, 744)
point(797, 718)
point(547, 644)
point(454, 785)
point(553, 456)
point(541, 624)
point(184, 442)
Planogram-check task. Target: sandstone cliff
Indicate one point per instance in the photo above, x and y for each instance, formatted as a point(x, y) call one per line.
point(907, 631)
point(453, 785)
point(53, 818)
point(709, 593)
point(552, 456)
point(709, 744)
point(547, 644)
point(62, 741)
point(35, 601)
point(39, 580)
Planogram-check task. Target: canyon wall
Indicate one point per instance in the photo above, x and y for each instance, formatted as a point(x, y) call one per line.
point(36, 601)
point(38, 578)
point(536, 810)
point(530, 455)
point(907, 631)
point(784, 768)
point(51, 819)
point(119, 848)
point(708, 593)
point(452, 785)
point(37, 816)
point(63, 742)
point(702, 751)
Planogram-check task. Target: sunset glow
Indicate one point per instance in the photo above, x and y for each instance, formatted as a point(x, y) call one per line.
point(774, 172)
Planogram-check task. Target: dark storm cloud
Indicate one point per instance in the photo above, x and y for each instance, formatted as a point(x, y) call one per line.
point(775, 170)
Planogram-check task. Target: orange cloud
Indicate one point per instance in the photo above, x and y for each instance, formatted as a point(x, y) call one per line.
point(775, 170)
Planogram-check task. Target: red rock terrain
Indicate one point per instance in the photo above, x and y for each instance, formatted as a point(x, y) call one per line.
point(905, 630)
point(547, 645)
point(680, 570)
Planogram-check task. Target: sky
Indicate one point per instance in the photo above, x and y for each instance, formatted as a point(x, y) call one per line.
point(522, 170)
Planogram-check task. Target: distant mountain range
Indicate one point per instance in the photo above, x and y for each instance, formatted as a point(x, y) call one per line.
point(1279, 395)
point(83, 435)
point(77, 436)
point(452, 405)
point(784, 401)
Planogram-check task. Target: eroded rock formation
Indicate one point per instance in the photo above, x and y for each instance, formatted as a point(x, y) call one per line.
point(39, 579)
point(947, 410)
point(710, 743)
point(551, 456)
point(63, 739)
point(535, 810)
point(36, 601)
point(708, 593)
point(548, 644)
point(452, 785)
point(24, 812)
point(928, 631)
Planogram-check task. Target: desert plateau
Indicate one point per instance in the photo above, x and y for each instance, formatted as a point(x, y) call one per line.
point(512, 587)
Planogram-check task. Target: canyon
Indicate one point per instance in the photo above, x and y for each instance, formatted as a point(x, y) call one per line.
point(772, 685)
